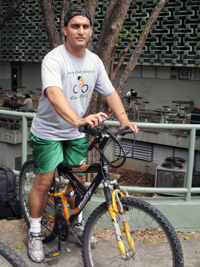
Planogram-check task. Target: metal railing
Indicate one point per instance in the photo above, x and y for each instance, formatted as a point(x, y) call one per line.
point(188, 190)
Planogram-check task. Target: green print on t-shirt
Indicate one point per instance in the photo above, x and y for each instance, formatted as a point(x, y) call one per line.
point(80, 72)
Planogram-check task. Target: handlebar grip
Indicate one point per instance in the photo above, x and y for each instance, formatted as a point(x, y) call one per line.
point(124, 131)
point(83, 129)
point(128, 131)
point(88, 130)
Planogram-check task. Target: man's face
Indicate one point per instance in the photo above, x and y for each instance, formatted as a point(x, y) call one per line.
point(77, 32)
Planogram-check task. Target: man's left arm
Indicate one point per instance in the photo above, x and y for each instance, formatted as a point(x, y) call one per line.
point(117, 107)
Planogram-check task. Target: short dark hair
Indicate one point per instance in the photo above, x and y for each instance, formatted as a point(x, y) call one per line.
point(77, 11)
point(27, 96)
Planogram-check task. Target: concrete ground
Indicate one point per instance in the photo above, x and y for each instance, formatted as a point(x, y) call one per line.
point(14, 233)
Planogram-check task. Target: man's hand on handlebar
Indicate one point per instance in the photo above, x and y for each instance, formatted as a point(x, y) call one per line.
point(92, 120)
point(130, 125)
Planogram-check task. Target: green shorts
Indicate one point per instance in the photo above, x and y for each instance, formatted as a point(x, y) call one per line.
point(48, 154)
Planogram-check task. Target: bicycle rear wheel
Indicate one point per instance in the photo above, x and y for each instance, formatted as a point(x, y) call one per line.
point(26, 181)
point(9, 258)
point(156, 242)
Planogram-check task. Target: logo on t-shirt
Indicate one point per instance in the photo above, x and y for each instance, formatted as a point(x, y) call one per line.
point(81, 86)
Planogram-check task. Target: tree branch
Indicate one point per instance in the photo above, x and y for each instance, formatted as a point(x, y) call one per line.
point(121, 59)
point(9, 12)
point(141, 42)
point(65, 6)
point(110, 30)
point(90, 5)
point(47, 12)
point(112, 62)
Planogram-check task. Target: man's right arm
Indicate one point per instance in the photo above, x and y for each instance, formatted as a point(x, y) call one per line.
point(65, 111)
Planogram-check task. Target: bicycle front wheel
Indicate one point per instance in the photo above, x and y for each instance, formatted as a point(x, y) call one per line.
point(9, 258)
point(155, 240)
point(26, 181)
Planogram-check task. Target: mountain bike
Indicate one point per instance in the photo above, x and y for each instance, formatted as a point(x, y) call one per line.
point(129, 231)
point(9, 258)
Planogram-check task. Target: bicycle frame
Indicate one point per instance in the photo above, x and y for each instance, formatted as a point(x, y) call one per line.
point(87, 193)
point(102, 174)
point(68, 171)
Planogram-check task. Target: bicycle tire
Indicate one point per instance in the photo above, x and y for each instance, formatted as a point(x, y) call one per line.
point(75, 90)
point(156, 241)
point(26, 181)
point(84, 90)
point(9, 258)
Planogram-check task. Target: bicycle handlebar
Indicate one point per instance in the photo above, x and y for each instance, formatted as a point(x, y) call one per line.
point(88, 130)
point(104, 133)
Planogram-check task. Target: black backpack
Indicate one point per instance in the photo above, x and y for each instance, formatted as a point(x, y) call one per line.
point(6, 103)
point(13, 105)
point(9, 204)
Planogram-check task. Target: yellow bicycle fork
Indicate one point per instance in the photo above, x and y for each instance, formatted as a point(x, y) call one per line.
point(113, 211)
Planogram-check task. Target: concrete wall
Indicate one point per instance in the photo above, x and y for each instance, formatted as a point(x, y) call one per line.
point(31, 76)
point(184, 216)
point(158, 92)
point(9, 152)
point(159, 138)
point(5, 76)
point(161, 92)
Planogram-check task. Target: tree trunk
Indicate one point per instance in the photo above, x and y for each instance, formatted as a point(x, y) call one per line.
point(9, 12)
point(101, 105)
point(105, 22)
point(47, 12)
point(65, 6)
point(91, 6)
point(138, 49)
point(114, 19)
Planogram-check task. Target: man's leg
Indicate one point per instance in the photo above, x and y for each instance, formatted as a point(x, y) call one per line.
point(37, 202)
point(71, 201)
point(79, 226)
point(39, 193)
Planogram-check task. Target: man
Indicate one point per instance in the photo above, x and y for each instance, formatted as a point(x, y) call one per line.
point(131, 102)
point(14, 103)
point(70, 73)
point(28, 102)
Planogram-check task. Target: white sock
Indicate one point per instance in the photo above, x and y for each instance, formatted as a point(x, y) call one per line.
point(80, 217)
point(35, 225)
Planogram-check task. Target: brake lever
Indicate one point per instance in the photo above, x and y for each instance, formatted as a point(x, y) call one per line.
point(121, 132)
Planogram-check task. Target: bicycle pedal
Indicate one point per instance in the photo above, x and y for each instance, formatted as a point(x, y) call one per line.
point(52, 254)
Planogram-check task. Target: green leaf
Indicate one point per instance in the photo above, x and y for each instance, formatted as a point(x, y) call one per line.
point(20, 246)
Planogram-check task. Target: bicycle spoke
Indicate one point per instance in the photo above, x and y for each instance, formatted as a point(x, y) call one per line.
point(155, 243)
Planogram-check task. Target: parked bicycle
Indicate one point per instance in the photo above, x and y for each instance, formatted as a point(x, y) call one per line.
point(129, 231)
point(9, 258)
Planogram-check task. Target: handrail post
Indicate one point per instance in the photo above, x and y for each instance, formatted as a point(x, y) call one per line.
point(24, 139)
point(190, 163)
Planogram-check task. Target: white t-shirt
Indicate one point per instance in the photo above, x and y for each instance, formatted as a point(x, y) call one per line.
point(28, 103)
point(77, 78)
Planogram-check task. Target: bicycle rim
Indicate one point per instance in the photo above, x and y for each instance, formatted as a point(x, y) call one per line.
point(26, 181)
point(156, 242)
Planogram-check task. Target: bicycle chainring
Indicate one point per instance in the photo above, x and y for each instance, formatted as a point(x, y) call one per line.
point(61, 223)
